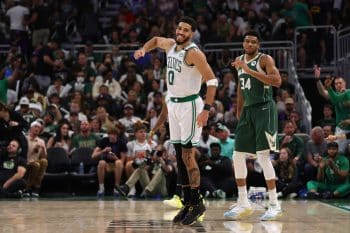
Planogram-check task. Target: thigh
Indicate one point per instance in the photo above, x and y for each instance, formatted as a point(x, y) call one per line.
point(266, 126)
point(190, 132)
point(245, 134)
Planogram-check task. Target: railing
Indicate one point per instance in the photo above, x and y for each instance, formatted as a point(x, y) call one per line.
point(279, 50)
point(303, 105)
point(343, 52)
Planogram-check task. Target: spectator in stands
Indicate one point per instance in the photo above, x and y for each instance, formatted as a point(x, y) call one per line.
point(216, 173)
point(36, 159)
point(82, 64)
point(57, 87)
point(18, 17)
point(206, 140)
point(40, 22)
point(46, 64)
point(327, 130)
point(138, 149)
point(287, 181)
point(286, 85)
point(129, 119)
point(12, 126)
point(292, 141)
point(74, 108)
point(332, 176)
point(114, 88)
point(339, 99)
point(85, 138)
point(327, 117)
point(106, 121)
point(111, 153)
point(316, 148)
point(298, 11)
point(227, 144)
point(297, 121)
point(62, 137)
point(12, 171)
point(8, 76)
point(153, 182)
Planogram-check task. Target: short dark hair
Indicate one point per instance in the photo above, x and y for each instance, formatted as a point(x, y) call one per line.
point(189, 21)
point(332, 145)
point(252, 33)
point(215, 144)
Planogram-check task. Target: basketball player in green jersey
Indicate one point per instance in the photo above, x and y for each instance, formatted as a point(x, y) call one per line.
point(256, 132)
point(187, 69)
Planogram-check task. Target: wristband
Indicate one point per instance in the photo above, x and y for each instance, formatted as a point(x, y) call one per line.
point(207, 107)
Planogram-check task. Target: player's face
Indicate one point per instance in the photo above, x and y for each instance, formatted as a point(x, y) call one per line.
point(183, 33)
point(250, 45)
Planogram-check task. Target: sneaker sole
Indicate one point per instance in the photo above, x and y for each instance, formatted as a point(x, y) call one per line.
point(200, 218)
point(273, 218)
point(244, 214)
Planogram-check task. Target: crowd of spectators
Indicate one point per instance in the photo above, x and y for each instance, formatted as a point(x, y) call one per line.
point(52, 97)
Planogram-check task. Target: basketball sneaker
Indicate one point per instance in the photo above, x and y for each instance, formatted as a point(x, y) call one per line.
point(175, 202)
point(194, 213)
point(272, 213)
point(238, 211)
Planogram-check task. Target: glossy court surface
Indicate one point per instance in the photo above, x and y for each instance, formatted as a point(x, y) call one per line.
point(78, 215)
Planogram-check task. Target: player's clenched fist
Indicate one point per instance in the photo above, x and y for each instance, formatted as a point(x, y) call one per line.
point(139, 53)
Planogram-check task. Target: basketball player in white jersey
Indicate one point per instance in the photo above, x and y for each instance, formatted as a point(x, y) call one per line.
point(187, 68)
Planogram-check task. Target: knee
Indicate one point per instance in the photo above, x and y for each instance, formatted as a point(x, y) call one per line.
point(101, 164)
point(119, 164)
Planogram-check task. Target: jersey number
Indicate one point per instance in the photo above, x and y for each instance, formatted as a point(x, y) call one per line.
point(246, 84)
point(171, 76)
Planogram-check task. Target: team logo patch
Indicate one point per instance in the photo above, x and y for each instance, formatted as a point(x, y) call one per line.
point(253, 63)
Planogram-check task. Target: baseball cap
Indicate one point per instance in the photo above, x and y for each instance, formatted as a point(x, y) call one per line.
point(128, 106)
point(24, 101)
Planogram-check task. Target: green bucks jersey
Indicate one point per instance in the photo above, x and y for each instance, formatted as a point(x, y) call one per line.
point(253, 90)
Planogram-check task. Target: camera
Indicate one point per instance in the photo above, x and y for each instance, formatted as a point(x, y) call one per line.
point(158, 153)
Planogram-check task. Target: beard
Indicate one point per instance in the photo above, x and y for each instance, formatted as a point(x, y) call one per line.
point(186, 39)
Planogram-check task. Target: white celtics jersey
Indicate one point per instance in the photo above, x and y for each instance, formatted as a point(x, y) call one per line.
point(182, 79)
point(139, 150)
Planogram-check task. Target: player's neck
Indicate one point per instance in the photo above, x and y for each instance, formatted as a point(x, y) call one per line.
point(248, 57)
point(182, 46)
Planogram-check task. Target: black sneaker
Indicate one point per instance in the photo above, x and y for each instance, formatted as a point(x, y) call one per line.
point(181, 214)
point(18, 194)
point(27, 193)
point(313, 195)
point(194, 212)
point(327, 195)
point(123, 190)
point(35, 193)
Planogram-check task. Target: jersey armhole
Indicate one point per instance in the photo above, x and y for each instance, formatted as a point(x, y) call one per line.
point(186, 50)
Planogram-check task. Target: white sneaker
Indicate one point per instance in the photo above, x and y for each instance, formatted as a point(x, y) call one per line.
point(238, 211)
point(272, 213)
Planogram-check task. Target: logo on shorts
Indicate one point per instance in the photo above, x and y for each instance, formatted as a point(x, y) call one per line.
point(271, 139)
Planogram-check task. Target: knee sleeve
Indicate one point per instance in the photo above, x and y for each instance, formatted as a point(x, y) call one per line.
point(239, 165)
point(266, 165)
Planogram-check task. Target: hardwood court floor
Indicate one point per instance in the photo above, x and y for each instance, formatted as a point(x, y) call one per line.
point(78, 216)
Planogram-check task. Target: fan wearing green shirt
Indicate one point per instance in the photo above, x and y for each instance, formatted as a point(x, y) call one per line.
point(85, 138)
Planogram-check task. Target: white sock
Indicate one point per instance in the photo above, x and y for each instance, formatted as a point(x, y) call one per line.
point(102, 187)
point(132, 191)
point(243, 196)
point(273, 196)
